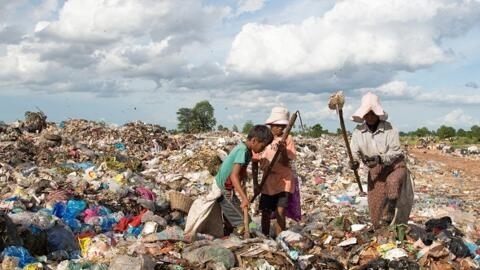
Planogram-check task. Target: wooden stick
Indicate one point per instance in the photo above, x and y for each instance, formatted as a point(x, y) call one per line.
point(246, 220)
point(246, 223)
point(349, 151)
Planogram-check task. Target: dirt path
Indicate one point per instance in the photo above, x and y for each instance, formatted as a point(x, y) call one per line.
point(469, 167)
point(447, 174)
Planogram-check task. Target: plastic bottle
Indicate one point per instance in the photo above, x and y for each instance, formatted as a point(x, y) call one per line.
point(27, 171)
point(293, 254)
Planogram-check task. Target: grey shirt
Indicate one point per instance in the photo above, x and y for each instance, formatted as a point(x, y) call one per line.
point(385, 142)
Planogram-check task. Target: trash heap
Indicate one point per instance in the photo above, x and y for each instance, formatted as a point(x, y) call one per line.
point(85, 195)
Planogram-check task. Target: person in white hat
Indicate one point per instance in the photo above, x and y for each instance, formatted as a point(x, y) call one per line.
point(280, 184)
point(376, 143)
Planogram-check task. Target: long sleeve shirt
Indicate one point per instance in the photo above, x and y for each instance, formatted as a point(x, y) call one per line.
point(384, 142)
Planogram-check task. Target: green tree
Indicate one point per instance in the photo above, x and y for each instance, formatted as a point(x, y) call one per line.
point(198, 119)
point(247, 126)
point(444, 132)
point(315, 131)
point(185, 120)
point(461, 133)
point(203, 112)
point(475, 132)
point(222, 128)
point(422, 132)
point(234, 128)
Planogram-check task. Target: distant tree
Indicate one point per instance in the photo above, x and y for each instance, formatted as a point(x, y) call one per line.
point(198, 119)
point(314, 131)
point(422, 132)
point(185, 120)
point(222, 128)
point(475, 132)
point(461, 132)
point(444, 132)
point(247, 126)
point(339, 131)
point(203, 112)
point(234, 128)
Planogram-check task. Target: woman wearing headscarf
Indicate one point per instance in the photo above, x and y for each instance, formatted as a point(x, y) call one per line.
point(376, 143)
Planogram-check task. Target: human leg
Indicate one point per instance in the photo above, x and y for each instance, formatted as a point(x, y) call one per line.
point(376, 200)
point(231, 210)
point(393, 184)
point(267, 206)
point(266, 222)
point(282, 202)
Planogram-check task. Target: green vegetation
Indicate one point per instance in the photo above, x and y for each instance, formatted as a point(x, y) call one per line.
point(201, 118)
point(314, 131)
point(198, 119)
point(457, 138)
point(247, 126)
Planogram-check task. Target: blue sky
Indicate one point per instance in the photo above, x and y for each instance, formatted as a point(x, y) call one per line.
point(119, 60)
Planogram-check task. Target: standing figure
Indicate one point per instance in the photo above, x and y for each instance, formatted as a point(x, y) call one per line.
point(376, 143)
point(280, 183)
point(224, 190)
point(233, 171)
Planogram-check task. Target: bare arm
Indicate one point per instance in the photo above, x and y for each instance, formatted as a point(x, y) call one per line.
point(288, 152)
point(237, 184)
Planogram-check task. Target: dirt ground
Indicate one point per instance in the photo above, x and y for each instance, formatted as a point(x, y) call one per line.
point(462, 174)
point(468, 166)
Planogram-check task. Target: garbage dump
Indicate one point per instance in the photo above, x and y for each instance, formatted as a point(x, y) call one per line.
point(85, 195)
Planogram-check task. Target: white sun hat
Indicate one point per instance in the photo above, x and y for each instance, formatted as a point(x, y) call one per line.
point(370, 102)
point(278, 116)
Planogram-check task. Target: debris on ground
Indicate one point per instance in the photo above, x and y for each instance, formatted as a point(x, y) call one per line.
point(85, 195)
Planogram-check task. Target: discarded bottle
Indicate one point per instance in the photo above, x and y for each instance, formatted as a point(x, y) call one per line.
point(292, 253)
point(28, 171)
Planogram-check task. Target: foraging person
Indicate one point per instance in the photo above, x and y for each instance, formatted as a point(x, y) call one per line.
point(280, 183)
point(228, 183)
point(377, 144)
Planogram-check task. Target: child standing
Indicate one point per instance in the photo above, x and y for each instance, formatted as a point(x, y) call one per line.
point(279, 184)
point(233, 171)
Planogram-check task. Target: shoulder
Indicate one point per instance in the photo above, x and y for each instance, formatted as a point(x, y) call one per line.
point(360, 128)
point(241, 147)
point(388, 126)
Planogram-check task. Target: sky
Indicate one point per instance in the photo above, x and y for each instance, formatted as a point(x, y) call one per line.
point(120, 61)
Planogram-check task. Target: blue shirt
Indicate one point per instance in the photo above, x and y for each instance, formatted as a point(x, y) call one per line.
point(239, 155)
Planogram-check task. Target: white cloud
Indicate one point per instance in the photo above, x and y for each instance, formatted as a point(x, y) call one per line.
point(359, 37)
point(443, 97)
point(246, 6)
point(292, 53)
point(458, 117)
point(397, 89)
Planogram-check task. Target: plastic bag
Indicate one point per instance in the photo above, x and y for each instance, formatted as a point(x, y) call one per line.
point(61, 239)
point(21, 253)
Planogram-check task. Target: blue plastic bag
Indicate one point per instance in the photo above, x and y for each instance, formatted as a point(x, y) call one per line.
point(21, 253)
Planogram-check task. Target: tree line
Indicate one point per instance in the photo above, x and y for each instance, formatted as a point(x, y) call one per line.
point(201, 118)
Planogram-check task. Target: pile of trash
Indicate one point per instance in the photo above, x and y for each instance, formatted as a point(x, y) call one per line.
point(85, 195)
